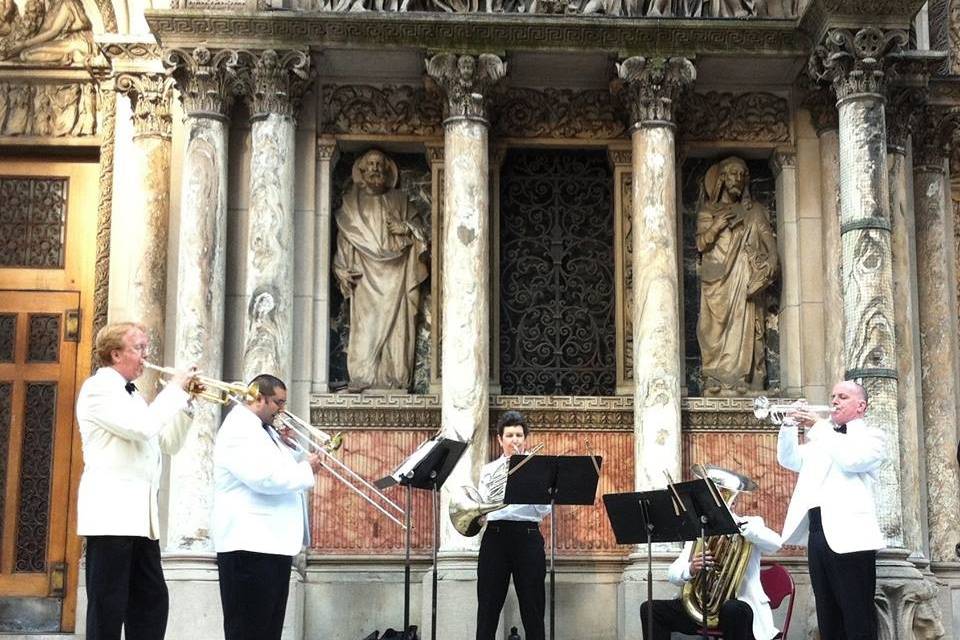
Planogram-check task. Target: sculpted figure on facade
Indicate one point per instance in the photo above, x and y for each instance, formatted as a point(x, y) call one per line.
point(47, 32)
point(738, 262)
point(380, 263)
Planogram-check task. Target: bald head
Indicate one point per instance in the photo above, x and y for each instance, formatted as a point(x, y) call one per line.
point(849, 401)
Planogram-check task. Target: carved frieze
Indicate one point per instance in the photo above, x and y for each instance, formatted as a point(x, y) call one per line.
point(755, 116)
point(53, 33)
point(556, 113)
point(466, 81)
point(207, 79)
point(388, 110)
point(742, 9)
point(854, 63)
point(48, 110)
point(651, 87)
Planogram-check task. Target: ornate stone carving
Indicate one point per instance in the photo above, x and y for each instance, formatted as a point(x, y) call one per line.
point(854, 62)
point(389, 110)
point(823, 110)
point(651, 86)
point(755, 117)
point(51, 33)
point(276, 81)
point(48, 110)
point(149, 95)
point(908, 610)
point(207, 79)
point(902, 107)
point(933, 136)
point(101, 287)
point(466, 81)
point(556, 113)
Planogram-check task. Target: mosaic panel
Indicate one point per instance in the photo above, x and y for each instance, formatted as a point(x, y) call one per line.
point(43, 344)
point(36, 476)
point(32, 222)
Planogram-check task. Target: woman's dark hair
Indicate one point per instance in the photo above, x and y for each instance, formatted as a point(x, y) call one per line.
point(512, 419)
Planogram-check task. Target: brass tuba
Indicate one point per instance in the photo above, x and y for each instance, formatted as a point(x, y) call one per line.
point(731, 554)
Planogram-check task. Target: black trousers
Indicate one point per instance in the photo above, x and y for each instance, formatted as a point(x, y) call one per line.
point(511, 548)
point(253, 593)
point(125, 588)
point(843, 586)
point(736, 620)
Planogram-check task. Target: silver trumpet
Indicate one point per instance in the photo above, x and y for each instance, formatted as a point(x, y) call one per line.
point(324, 444)
point(777, 413)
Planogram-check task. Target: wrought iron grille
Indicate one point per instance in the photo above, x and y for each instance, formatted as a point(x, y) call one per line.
point(44, 342)
point(33, 219)
point(36, 477)
point(6, 420)
point(557, 334)
point(8, 331)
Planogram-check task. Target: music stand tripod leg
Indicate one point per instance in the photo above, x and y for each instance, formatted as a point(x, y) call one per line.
point(406, 563)
point(553, 560)
point(436, 545)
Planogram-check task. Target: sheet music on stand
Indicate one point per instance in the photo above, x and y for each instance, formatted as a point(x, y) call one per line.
point(407, 466)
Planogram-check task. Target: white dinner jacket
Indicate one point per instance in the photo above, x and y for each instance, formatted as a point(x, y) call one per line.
point(838, 471)
point(764, 540)
point(258, 502)
point(123, 438)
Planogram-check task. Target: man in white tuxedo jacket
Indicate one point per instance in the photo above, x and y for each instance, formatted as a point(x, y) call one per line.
point(833, 507)
point(259, 514)
point(748, 616)
point(123, 438)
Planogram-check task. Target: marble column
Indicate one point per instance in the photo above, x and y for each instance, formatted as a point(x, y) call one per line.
point(854, 64)
point(204, 79)
point(148, 222)
point(465, 314)
point(327, 154)
point(940, 349)
point(900, 107)
point(823, 112)
point(652, 87)
point(277, 83)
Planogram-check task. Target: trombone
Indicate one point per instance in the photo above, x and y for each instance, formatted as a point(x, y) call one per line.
point(211, 389)
point(325, 444)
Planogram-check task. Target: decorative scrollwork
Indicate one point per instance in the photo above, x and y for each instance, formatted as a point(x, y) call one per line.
point(557, 331)
point(556, 113)
point(32, 222)
point(389, 110)
point(36, 476)
point(43, 343)
point(715, 116)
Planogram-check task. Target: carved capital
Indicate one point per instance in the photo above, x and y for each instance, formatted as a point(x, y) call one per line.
point(207, 79)
point(466, 81)
point(854, 63)
point(149, 95)
point(822, 106)
point(652, 86)
point(933, 133)
point(782, 159)
point(275, 82)
point(327, 149)
point(902, 107)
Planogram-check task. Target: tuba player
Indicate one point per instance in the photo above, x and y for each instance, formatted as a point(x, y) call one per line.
point(746, 617)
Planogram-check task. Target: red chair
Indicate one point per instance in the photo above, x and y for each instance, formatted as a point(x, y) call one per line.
point(778, 585)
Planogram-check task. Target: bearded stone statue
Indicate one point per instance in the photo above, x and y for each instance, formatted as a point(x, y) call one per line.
point(738, 263)
point(379, 264)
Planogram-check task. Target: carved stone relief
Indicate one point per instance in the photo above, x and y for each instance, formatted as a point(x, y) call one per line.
point(556, 113)
point(388, 110)
point(48, 110)
point(757, 117)
point(54, 32)
point(908, 610)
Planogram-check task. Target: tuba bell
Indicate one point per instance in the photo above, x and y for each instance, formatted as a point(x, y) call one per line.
point(731, 554)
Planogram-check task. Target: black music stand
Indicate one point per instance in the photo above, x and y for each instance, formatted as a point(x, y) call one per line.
point(552, 480)
point(428, 467)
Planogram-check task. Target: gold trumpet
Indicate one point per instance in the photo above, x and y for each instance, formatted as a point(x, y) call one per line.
point(211, 389)
point(324, 444)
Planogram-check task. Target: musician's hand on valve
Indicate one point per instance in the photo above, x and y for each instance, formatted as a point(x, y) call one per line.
point(699, 561)
point(186, 379)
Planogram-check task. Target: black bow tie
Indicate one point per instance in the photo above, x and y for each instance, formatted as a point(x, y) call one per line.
point(841, 428)
point(130, 387)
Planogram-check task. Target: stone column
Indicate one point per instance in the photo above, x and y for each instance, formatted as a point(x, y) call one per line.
point(900, 107)
point(204, 79)
point(435, 160)
point(939, 346)
point(854, 63)
point(466, 81)
point(823, 112)
point(277, 83)
point(651, 88)
point(148, 221)
point(327, 154)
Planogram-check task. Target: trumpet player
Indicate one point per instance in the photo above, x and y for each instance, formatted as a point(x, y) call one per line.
point(259, 513)
point(745, 617)
point(512, 545)
point(123, 438)
point(833, 509)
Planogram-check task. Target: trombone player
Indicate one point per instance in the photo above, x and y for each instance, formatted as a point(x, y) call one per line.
point(117, 512)
point(259, 513)
point(745, 617)
point(512, 544)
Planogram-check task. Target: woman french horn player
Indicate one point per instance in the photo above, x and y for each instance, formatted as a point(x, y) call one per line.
point(512, 544)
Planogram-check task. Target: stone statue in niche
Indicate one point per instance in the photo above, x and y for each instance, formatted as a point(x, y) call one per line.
point(55, 32)
point(380, 263)
point(738, 262)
